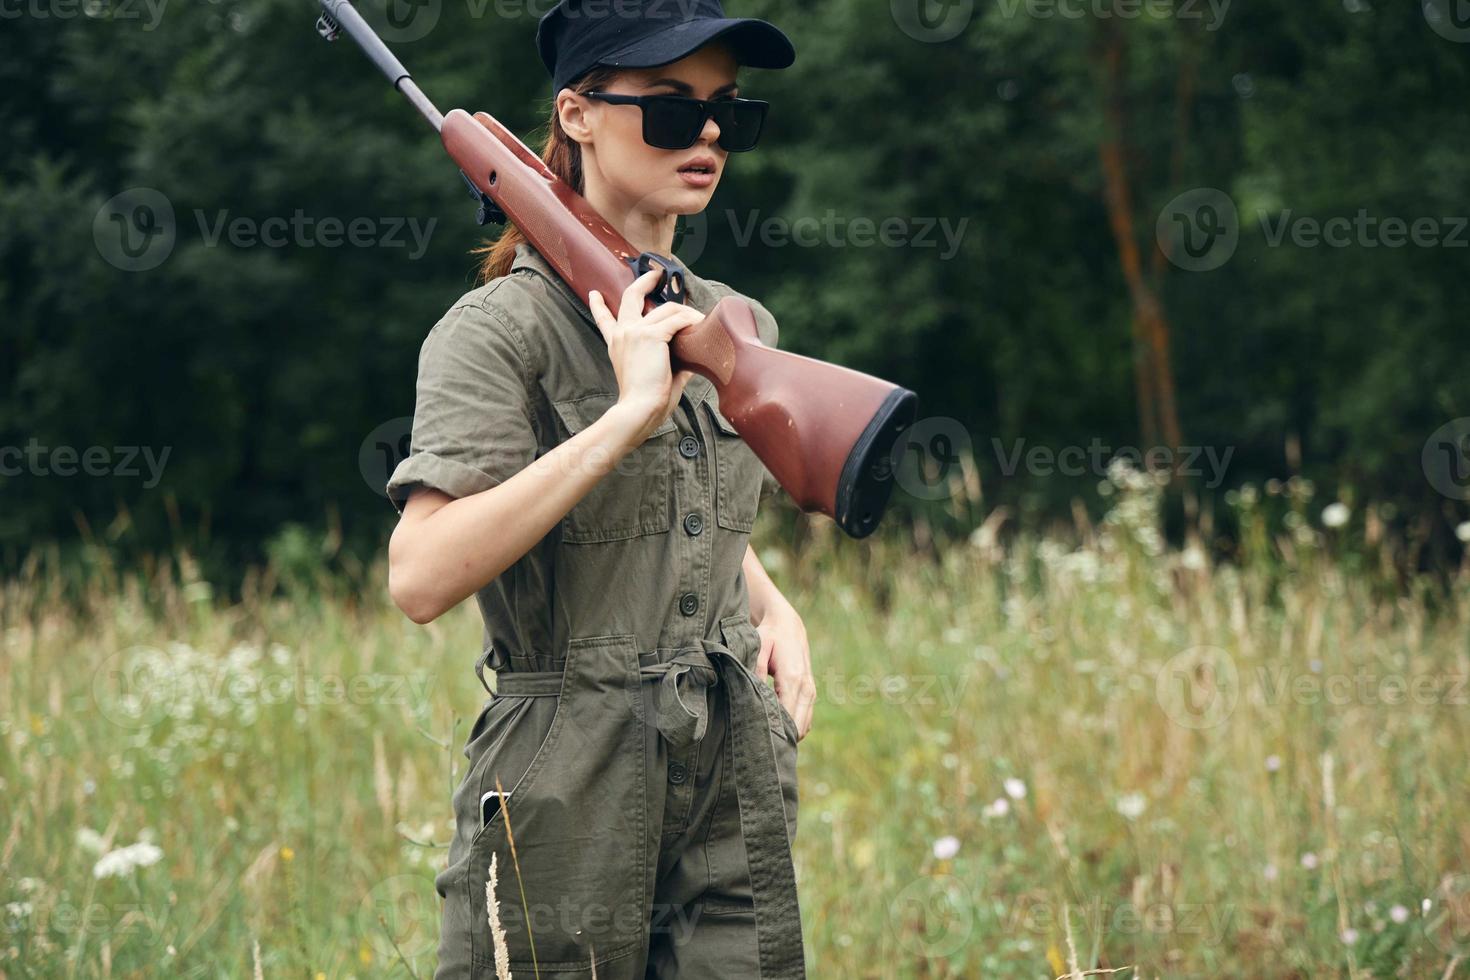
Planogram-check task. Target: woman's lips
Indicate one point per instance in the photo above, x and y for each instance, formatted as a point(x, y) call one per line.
point(697, 178)
point(699, 171)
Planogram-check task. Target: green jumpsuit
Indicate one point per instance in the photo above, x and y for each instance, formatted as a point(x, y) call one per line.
point(651, 777)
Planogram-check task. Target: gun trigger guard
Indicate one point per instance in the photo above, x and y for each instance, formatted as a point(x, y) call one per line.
point(670, 288)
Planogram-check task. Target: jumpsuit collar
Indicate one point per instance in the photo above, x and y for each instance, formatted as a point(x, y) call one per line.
point(702, 297)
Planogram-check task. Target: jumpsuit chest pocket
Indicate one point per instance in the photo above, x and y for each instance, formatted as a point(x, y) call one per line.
point(634, 498)
point(738, 474)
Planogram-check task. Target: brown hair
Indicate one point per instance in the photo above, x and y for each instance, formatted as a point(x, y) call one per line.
point(563, 155)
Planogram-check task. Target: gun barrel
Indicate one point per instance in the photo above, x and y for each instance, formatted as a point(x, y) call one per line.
point(347, 18)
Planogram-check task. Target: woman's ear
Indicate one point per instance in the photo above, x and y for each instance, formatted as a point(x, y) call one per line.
point(572, 111)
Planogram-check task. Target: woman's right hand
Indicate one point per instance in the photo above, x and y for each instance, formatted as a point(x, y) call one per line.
point(638, 345)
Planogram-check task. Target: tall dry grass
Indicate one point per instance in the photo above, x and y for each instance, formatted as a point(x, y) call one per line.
point(1253, 768)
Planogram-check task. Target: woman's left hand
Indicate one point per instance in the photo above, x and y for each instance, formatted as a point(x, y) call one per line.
point(785, 655)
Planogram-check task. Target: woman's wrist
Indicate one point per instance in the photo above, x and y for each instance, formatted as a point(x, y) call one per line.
point(629, 422)
point(765, 599)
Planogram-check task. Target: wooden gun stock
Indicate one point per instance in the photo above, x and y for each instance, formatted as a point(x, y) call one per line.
point(825, 432)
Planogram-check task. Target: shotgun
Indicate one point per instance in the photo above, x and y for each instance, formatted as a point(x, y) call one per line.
point(827, 433)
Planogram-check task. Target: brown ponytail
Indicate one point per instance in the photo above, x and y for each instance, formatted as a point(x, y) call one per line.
point(563, 155)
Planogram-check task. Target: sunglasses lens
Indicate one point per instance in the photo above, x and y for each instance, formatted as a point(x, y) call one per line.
point(671, 124)
point(740, 123)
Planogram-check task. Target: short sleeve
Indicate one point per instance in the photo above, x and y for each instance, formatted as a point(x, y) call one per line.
point(472, 427)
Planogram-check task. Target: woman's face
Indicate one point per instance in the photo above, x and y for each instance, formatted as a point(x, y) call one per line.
point(626, 175)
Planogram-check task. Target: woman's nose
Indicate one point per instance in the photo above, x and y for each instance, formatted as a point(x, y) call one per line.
point(711, 131)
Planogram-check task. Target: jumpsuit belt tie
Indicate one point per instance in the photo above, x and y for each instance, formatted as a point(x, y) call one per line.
point(681, 713)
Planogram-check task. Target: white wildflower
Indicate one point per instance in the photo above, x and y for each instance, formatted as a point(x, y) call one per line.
point(1349, 936)
point(1015, 788)
point(89, 840)
point(1309, 861)
point(1336, 514)
point(1463, 532)
point(125, 860)
point(1132, 805)
point(946, 847)
point(1399, 914)
point(999, 808)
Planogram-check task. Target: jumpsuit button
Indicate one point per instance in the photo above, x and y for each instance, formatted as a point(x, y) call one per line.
point(693, 523)
point(688, 603)
point(677, 772)
point(689, 447)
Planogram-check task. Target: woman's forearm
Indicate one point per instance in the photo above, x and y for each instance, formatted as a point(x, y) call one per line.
point(764, 596)
point(446, 549)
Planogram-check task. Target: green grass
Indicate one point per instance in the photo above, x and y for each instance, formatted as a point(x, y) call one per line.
point(1207, 774)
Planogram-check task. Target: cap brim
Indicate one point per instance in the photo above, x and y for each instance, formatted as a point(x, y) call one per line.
point(756, 43)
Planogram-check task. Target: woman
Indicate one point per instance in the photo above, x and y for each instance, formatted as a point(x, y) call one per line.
point(599, 507)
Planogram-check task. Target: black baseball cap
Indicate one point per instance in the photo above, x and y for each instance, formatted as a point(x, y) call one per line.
point(576, 36)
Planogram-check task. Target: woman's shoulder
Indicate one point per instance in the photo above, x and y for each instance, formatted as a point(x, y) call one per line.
point(509, 299)
point(508, 305)
point(765, 323)
point(492, 327)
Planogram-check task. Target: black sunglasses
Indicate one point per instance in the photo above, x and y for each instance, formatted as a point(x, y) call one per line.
point(673, 122)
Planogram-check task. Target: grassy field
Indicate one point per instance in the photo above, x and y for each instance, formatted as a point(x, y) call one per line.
point(1194, 768)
